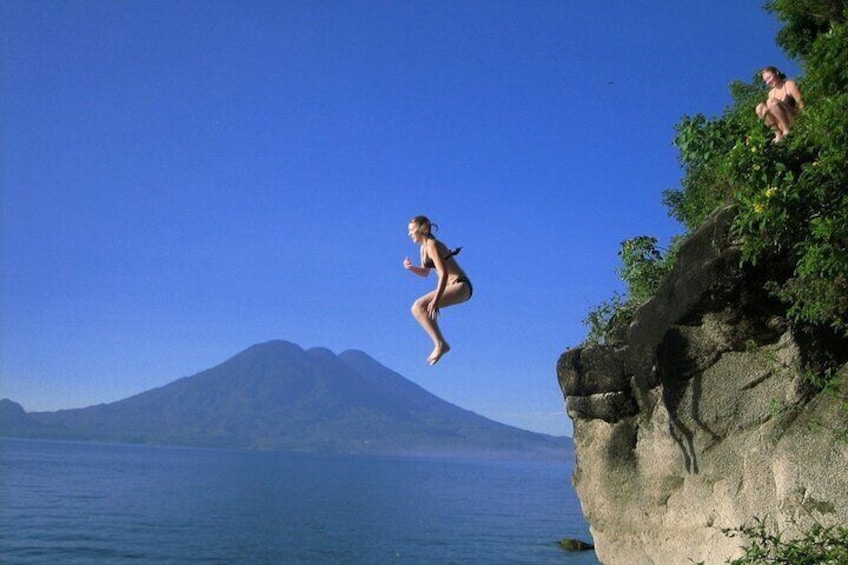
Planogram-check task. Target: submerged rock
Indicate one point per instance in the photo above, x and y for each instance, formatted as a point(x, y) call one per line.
point(569, 544)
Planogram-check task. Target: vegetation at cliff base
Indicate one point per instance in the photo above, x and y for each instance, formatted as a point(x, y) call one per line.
point(791, 198)
point(819, 546)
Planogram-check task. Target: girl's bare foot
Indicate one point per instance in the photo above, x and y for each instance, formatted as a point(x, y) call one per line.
point(437, 353)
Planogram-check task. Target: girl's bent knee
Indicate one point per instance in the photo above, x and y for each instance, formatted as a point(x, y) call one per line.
point(418, 309)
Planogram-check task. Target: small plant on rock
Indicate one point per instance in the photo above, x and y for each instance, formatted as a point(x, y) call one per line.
point(818, 546)
point(644, 266)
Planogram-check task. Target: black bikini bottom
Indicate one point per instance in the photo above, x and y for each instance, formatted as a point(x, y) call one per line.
point(466, 281)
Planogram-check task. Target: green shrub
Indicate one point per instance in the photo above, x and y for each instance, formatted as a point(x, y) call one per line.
point(703, 146)
point(607, 318)
point(644, 267)
point(818, 546)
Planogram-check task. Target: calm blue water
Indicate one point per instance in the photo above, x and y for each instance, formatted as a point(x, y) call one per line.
point(82, 503)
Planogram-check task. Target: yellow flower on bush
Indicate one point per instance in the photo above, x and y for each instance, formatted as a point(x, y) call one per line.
point(759, 208)
point(756, 167)
point(770, 191)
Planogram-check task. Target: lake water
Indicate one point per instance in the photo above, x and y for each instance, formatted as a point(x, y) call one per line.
point(66, 502)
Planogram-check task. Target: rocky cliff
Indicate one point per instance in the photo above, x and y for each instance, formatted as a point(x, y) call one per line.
point(698, 417)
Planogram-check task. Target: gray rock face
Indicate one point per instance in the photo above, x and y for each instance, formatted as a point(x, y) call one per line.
point(699, 419)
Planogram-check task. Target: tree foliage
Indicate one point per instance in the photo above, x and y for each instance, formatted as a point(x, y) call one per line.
point(703, 145)
point(804, 21)
point(792, 196)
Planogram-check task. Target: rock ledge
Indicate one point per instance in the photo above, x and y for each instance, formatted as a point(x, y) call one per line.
point(699, 418)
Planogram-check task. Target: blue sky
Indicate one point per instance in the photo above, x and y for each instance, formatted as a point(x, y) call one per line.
point(184, 179)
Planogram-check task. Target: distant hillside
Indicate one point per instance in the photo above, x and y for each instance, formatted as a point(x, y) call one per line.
point(276, 395)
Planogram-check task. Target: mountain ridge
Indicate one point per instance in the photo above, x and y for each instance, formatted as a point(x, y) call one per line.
point(277, 395)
